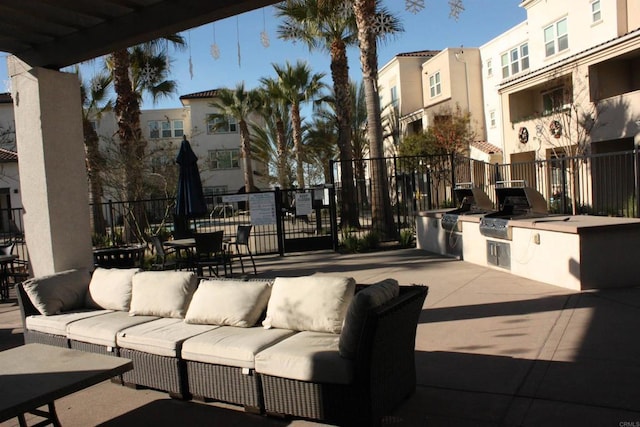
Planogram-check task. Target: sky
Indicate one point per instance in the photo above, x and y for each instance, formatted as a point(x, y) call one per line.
point(244, 58)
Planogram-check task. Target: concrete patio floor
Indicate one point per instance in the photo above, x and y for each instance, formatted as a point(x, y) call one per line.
point(492, 349)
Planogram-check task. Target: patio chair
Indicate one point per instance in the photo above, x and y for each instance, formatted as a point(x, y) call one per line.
point(18, 269)
point(210, 254)
point(162, 261)
point(242, 239)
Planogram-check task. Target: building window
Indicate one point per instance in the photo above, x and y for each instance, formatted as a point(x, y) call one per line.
point(492, 119)
point(556, 37)
point(166, 129)
point(434, 85)
point(224, 159)
point(489, 68)
point(394, 96)
point(214, 190)
point(554, 101)
point(515, 61)
point(218, 125)
point(596, 14)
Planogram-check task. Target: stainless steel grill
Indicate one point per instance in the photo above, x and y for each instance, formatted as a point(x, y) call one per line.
point(470, 201)
point(513, 202)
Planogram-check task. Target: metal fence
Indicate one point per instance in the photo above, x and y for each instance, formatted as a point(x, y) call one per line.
point(291, 229)
point(599, 184)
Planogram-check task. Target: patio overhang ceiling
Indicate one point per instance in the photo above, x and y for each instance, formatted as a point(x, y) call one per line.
point(58, 33)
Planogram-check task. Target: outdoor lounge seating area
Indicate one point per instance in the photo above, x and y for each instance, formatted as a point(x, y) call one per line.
point(318, 347)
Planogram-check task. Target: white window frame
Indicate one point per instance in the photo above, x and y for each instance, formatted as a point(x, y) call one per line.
point(435, 84)
point(394, 96)
point(492, 118)
point(489, 68)
point(596, 12)
point(515, 60)
point(556, 38)
point(162, 129)
point(230, 127)
point(231, 162)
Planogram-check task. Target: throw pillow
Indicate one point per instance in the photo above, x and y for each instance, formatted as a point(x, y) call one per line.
point(228, 303)
point(309, 303)
point(55, 293)
point(365, 300)
point(162, 293)
point(110, 288)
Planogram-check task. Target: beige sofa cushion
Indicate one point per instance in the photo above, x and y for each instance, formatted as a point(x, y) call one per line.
point(162, 337)
point(232, 346)
point(57, 324)
point(102, 329)
point(110, 288)
point(309, 303)
point(62, 291)
point(306, 356)
point(366, 299)
point(162, 293)
point(228, 302)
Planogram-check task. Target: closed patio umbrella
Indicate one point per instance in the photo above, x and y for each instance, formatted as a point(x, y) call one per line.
point(190, 201)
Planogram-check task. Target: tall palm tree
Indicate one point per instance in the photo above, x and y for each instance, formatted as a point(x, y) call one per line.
point(143, 68)
point(239, 104)
point(298, 85)
point(276, 107)
point(266, 144)
point(329, 29)
point(94, 105)
point(359, 137)
point(321, 145)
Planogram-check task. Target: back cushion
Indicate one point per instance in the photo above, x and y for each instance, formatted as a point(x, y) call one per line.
point(162, 293)
point(228, 302)
point(368, 298)
point(309, 303)
point(62, 291)
point(110, 288)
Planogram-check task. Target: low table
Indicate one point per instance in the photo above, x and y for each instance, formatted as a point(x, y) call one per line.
point(35, 375)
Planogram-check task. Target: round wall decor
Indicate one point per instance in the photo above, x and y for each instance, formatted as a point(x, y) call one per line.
point(523, 135)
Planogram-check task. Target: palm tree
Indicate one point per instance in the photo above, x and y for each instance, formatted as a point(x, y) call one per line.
point(276, 108)
point(143, 68)
point(298, 85)
point(359, 137)
point(329, 29)
point(94, 105)
point(266, 144)
point(321, 145)
point(239, 104)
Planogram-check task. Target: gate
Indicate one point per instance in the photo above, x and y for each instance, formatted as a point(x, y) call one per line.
point(307, 219)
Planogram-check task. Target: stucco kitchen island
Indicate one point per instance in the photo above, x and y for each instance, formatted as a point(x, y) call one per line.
point(575, 252)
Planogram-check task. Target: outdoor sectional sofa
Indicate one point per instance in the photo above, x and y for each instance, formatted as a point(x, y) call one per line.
point(318, 347)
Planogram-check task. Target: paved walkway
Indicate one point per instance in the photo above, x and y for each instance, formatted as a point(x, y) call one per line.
point(492, 349)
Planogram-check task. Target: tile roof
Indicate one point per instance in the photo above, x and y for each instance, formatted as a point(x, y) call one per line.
point(486, 147)
point(429, 53)
point(8, 155)
point(212, 93)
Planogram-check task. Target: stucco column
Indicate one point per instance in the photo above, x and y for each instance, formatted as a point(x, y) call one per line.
point(53, 177)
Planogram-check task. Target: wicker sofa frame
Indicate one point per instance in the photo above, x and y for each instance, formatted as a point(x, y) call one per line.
point(384, 371)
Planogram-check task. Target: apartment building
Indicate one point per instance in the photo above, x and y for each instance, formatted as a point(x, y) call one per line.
point(425, 85)
point(565, 81)
point(217, 149)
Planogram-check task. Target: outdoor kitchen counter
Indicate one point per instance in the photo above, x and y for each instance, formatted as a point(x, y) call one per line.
point(575, 224)
point(575, 252)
